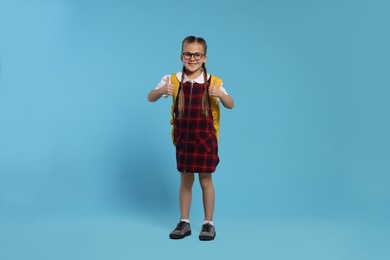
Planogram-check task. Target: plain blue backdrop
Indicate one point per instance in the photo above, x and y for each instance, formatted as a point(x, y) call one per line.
point(87, 168)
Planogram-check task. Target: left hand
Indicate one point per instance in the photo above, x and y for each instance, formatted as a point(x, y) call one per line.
point(214, 90)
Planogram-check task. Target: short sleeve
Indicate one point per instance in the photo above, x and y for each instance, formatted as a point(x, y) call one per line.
point(223, 90)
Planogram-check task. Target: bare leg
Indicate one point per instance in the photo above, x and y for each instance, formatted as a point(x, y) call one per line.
point(185, 194)
point(206, 182)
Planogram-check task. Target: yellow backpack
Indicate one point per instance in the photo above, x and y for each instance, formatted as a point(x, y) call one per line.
point(213, 104)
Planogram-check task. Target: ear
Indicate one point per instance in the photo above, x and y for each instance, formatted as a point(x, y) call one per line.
point(205, 59)
point(181, 57)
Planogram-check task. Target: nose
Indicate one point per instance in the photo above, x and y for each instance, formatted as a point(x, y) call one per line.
point(192, 57)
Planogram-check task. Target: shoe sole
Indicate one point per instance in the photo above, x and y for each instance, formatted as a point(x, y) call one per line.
point(174, 236)
point(207, 238)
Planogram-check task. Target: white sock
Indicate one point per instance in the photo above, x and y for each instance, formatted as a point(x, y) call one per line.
point(209, 222)
point(185, 220)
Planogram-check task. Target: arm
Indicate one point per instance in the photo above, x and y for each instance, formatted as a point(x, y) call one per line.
point(167, 89)
point(226, 100)
point(155, 94)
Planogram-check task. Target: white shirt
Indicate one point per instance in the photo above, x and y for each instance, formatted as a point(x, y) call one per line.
point(199, 80)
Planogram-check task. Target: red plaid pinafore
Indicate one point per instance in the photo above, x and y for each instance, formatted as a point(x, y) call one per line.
point(196, 143)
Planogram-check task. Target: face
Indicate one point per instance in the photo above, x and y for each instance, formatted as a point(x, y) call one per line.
point(193, 63)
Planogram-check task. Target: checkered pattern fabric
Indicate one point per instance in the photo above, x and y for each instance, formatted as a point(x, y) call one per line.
point(196, 143)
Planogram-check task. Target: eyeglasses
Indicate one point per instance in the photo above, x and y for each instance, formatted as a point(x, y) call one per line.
point(197, 55)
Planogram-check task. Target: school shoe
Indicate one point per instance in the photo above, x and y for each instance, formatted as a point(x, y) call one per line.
point(182, 230)
point(208, 232)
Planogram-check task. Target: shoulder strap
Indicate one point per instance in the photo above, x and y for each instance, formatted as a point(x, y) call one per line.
point(176, 84)
point(214, 105)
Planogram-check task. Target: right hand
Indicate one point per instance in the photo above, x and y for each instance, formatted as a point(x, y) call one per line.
point(168, 87)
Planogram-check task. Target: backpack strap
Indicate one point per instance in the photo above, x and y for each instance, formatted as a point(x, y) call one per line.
point(214, 104)
point(176, 86)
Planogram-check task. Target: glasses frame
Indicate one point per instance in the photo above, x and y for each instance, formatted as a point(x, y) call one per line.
point(190, 54)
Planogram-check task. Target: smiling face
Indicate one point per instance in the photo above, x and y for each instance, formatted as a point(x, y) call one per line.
point(193, 56)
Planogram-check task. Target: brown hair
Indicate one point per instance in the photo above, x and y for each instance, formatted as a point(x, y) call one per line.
point(205, 97)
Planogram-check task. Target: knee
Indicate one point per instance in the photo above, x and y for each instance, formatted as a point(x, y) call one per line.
point(206, 183)
point(187, 180)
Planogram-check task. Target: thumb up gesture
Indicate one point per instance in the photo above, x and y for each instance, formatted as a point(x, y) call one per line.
point(214, 90)
point(168, 87)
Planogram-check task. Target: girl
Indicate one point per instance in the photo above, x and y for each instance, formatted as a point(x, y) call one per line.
point(195, 121)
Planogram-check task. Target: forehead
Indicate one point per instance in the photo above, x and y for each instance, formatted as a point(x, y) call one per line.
point(193, 47)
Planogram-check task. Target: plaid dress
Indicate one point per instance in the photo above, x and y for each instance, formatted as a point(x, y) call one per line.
point(196, 143)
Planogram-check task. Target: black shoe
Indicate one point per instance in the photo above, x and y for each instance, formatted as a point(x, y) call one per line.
point(208, 232)
point(182, 230)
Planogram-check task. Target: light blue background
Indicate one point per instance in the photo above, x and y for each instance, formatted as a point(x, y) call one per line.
point(87, 168)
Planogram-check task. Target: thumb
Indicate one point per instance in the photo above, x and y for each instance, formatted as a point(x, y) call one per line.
point(215, 83)
point(168, 80)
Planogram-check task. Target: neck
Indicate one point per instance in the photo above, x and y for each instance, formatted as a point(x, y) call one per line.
point(193, 75)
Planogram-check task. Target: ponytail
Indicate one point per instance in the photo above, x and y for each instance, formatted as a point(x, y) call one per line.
point(205, 97)
point(180, 98)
